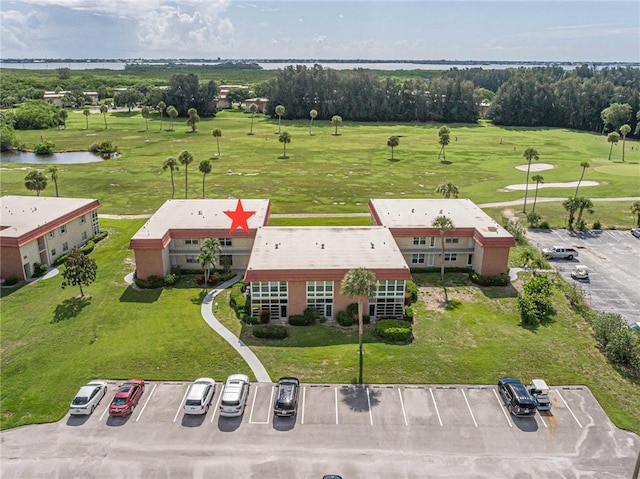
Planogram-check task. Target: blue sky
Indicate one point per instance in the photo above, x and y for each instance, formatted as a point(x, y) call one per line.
point(590, 31)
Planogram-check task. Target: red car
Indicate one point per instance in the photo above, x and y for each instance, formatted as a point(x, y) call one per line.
point(126, 398)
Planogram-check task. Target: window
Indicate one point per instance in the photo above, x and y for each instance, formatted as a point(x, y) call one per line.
point(191, 259)
point(419, 240)
point(226, 260)
point(226, 242)
point(65, 247)
point(53, 252)
point(450, 257)
point(432, 242)
point(470, 260)
point(83, 235)
point(52, 234)
point(451, 240)
point(417, 258)
point(83, 219)
point(191, 241)
point(63, 229)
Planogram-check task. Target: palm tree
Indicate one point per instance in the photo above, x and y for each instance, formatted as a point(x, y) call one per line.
point(63, 115)
point(284, 138)
point(35, 181)
point(392, 142)
point(526, 256)
point(585, 165)
point(447, 190)
point(54, 176)
point(336, 120)
point(185, 158)
point(583, 203)
point(205, 168)
point(635, 209)
point(172, 111)
point(624, 131)
point(213, 245)
point(193, 119)
point(444, 137)
point(571, 205)
point(538, 179)
point(208, 261)
point(279, 112)
point(217, 133)
point(313, 113)
point(443, 224)
point(86, 111)
point(171, 164)
point(161, 106)
point(529, 154)
point(145, 114)
point(359, 283)
point(613, 138)
point(253, 108)
point(103, 110)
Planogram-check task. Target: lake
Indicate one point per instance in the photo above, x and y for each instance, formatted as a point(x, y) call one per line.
point(63, 158)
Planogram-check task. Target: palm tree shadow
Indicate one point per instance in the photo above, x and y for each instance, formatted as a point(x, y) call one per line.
point(355, 397)
point(393, 160)
point(70, 308)
point(445, 162)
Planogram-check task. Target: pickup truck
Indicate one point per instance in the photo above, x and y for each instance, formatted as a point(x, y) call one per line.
point(557, 252)
point(539, 391)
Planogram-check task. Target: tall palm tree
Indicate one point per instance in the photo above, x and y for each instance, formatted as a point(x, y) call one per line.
point(336, 120)
point(171, 164)
point(613, 138)
point(63, 115)
point(313, 114)
point(538, 179)
point(217, 133)
point(213, 245)
point(103, 110)
point(624, 131)
point(447, 190)
point(444, 137)
point(185, 158)
point(279, 112)
point(571, 205)
point(205, 168)
point(54, 176)
point(284, 138)
point(145, 112)
point(172, 111)
point(35, 181)
point(443, 224)
point(253, 108)
point(161, 106)
point(86, 111)
point(584, 165)
point(360, 283)
point(635, 209)
point(392, 142)
point(208, 262)
point(530, 154)
point(193, 119)
point(583, 203)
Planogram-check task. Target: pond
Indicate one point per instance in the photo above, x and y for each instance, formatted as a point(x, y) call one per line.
point(62, 158)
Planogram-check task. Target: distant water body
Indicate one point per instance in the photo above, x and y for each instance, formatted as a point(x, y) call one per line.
point(334, 65)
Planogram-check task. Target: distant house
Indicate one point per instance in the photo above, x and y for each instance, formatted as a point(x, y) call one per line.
point(40, 229)
point(483, 108)
point(56, 98)
point(224, 103)
point(261, 103)
point(117, 91)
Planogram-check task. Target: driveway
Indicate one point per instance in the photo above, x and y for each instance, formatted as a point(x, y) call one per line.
point(613, 259)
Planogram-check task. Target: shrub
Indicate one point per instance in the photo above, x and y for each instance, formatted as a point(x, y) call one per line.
point(11, 280)
point(170, 279)
point(412, 291)
point(140, 283)
point(366, 319)
point(516, 229)
point(61, 259)
point(311, 315)
point(237, 297)
point(605, 326)
point(176, 270)
point(100, 236)
point(39, 270)
point(528, 312)
point(88, 248)
point(344, 319)
point(482, 280)
point(270, 331)
point(44, 148)
point(297, 320)
point(533, 219)
point(621, 346)
point(248, 319)
point(408, 313)
point(544, 225)
point(394, 330)
point(154, 281)
point(597, 225)
point(352, 310)
point(265, 316)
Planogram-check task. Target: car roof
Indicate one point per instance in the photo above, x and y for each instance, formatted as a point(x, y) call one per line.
point(288, 380)
point(85, 391)
point(234, 378)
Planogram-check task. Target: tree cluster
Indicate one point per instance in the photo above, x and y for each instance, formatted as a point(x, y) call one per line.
point(535, 303)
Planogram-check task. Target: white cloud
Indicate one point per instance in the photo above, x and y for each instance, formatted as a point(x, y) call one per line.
point(15, 25)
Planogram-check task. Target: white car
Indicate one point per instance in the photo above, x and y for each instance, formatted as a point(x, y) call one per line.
point(88, 398)
point(199, 396)
point(234, 395)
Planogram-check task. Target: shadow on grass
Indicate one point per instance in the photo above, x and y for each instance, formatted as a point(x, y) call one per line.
point(131, 295)
point(70, 308)
point(497, 292)
point(452, 304)
point(319, 335)
point(393, 160)
point(202, 293)
point(358, 398)
point(9, 290)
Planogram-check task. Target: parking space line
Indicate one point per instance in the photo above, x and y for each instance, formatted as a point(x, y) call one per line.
point(469, 407)
point(542, 419)
point(404, 414)
point(336, 394)
point(147, 402)
point(565, 403)
point(506, 416)
point(255, 395)
point(181, 403)
point(104, 412)
point(433, 398)
point(304, 395)
point(217, 405)
point(369, 404)
point(270, 405)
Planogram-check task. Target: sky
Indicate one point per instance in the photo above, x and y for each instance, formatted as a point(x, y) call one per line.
point(515, 30)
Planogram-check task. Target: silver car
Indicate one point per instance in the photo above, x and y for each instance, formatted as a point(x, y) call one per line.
point(199, 396)
point(234, 395)
point(88, 398)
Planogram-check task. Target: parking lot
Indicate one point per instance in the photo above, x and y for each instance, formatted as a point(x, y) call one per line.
point(613, 259)
point(338, 428)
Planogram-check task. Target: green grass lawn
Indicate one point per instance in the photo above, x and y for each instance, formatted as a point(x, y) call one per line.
point(326, 173)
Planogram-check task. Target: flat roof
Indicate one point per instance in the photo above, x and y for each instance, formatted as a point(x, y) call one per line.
point(20, 215)
point(200, 214)
point(420, 213)
point(325, 248)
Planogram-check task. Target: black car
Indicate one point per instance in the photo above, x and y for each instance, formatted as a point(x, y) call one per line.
point(516, 397)
point(286, 397)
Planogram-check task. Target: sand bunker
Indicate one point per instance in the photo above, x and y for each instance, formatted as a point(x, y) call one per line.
point(536, 167)
point(568, 184)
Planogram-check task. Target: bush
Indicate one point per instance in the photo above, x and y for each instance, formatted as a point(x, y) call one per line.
point(237, 297)
point(394, 330)
point(100, 236)
point(544, 225)
point(35, 115)
point(270, 331)
point(344, 319)
point(597, 225)
point(104, 148)
point(176, 270)
point(88, 248)
point(516, 229)
point(11, 280)
point(412, 291)
point(352, 310)
point(265, 316)
point(528, 312)
point(170, 279)
point(39, 270)
point(44, 148)
point(408, 313)
point(482, 280)
point(311, 315)
point(297, 320)
point(366, 319)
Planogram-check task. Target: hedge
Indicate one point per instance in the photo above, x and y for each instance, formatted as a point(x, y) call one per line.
point(498, 280)
point(394, 330)
point(270, 331)
point(344, 319)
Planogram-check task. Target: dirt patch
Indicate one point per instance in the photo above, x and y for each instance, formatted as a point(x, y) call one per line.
point(434, 299)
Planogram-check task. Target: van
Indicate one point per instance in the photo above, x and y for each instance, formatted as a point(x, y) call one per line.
point(234, 395)
point(286, 402)
point(199, 396)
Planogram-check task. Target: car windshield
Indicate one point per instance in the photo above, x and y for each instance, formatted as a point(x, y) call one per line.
point(80, 400)
point(230, 403)
point(192, 402)
point(119, 401)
